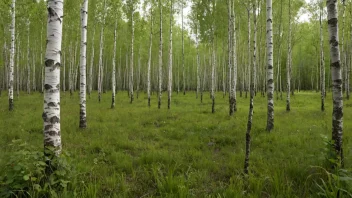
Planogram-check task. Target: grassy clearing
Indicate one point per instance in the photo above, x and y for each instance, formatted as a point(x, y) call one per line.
point(136, 151)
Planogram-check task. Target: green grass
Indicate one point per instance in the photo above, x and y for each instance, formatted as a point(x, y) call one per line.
point(136, 151)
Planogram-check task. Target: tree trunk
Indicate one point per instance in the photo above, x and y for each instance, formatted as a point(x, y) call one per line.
point(288, 67)
point(51, 114)
point(337, 118)
point(230, 54)
point(83, 66)
point(91, 67)
point(234, 59)
point(251, 104)
point(113, 77)
point(160, 53)
point(12, 55)
point(322, 61)
point(139, 71)
point(198, 63)
point(132, 55)
point(183, 55)
point(150, 55)
point(270, 63)
point(170, 60)
point(18, 69)
point(100, 72)
point(28, 64)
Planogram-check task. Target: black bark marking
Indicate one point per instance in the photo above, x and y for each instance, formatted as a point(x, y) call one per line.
point(49, 63)
point(52, 104)
point(54, 120)
point(47, 87)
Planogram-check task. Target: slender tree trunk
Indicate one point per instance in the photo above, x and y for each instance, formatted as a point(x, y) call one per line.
point(322, 61)
point(150, 54)
point(251, 103)
point(18, 69)
point(249, 51)
point(34, 80)
point(288, 67)
point(198, 63)
point(270, 63)
point(337, 118)
point(160, 53)
point(343, 55)
point(234, 58)
point(12, 55)
point(170, 59)
point(132, 55)
point(83, 79)
point(91, 67)
point(28, 63)
point(139, 71)
point(230, 54)
point(113, 78)
point(64, 73)
point(183, 55)
point(100, 70)
point(51, 114)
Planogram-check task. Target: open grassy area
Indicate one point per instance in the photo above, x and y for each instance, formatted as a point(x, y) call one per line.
point(136, 151)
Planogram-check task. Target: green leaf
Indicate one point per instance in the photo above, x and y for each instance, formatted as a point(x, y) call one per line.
point(26, 177)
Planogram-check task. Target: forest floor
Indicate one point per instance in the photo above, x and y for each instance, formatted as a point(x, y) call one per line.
point(137, 151)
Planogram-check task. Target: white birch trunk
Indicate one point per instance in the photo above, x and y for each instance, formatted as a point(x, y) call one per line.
point(213, 74)
point(101, 55)
point(83, 66)
point(251, 101)
point(230, 54)
point(270, 64)
point(183, 54)
point(169, 86)
point(337, 114)
point(12, 55)
point(288, 67)
point(234, 59)
point(150, 55)
point(18, 69)
point(51, 114)
point(64, 73)
point(91, 67)
point(113, 77)
point(28, 62)
point(160, 53)
point(198, 64)
point(132, 54)
point(322, 61)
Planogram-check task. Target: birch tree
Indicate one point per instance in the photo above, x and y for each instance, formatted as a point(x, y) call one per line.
point(170, 59)
point(322, 61)
point(270, 64)
point(12, 55)
point(234, 58)
point(150, 53)
point(100, 69)
point(90, 76)
point(83, 79)
point(183, 53)
point(132, 51)
point(160, 53)
point(113, 78)
point(335, 65)
point(28, 61)
point(51, 114)
point(251, 102)
point(288, 67)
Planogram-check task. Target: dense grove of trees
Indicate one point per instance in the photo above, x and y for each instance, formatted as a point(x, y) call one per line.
point(226, 46)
